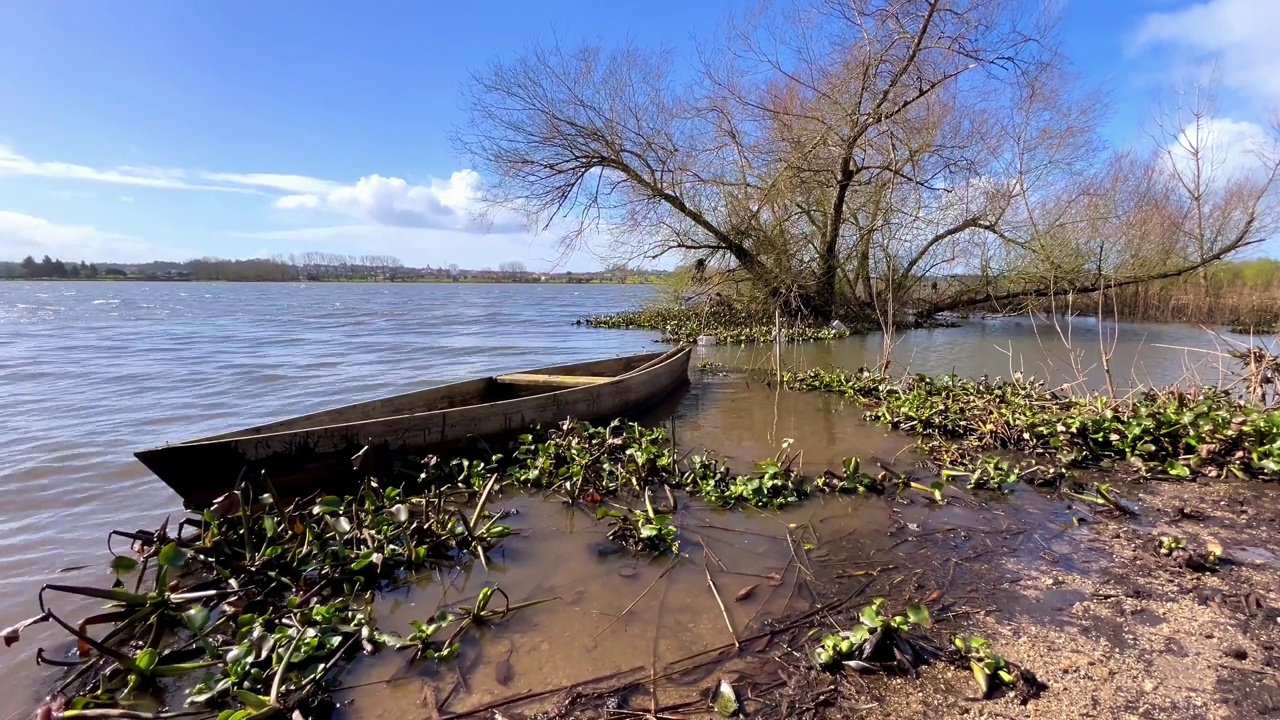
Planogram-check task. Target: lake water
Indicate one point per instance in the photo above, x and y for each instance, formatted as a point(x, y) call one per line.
point(91, 372)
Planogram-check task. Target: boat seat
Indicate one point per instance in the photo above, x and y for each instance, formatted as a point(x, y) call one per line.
point(557, 380)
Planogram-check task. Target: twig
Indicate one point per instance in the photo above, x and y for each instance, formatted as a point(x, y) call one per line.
point(129, 714)
point(535, 694)
point(1246, 668)
point(707, 551)
point(741, 530)
point(720, 602)
point(640, 597)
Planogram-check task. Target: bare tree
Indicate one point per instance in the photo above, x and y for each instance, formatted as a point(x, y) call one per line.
point(847, 156)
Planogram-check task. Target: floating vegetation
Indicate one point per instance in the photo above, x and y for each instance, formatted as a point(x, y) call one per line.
point(879, 643)
point(993, 673)
point(1103, 495)
point(642, 530)
point(1170, 433)
point(775, 483)
point(851, 479)
point(1175, 551)
point(723, 324)
point(987, 472)
point(252, 603)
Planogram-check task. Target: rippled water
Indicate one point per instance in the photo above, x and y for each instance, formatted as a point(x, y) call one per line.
point(92, 372)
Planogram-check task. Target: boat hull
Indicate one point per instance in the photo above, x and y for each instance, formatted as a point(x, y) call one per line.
point(302, 455)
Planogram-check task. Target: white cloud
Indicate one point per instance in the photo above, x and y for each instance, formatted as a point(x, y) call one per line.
point(1238, 34)
point(11, 163)
point(299, 202)
point(275, 181)
point(452, 204)
point(1227, 147)
point(125, 198)
point(22, 235)
point(421, 246)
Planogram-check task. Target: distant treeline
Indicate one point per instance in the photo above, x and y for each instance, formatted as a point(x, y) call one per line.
point(311, 267)
point(1243, 295)
point(48, 267)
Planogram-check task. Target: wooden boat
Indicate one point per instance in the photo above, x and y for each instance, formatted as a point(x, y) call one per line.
point(299, 455)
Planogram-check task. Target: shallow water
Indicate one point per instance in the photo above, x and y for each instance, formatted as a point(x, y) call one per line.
point(618, 616)
point(1060, 350)
point(94, 371)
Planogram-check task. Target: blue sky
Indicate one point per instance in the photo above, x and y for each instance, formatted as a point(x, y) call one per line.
point(154, 129)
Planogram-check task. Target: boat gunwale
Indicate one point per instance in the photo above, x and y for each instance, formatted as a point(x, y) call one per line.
point(661, 360)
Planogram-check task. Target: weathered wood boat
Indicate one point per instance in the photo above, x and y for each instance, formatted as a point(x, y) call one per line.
point(302, 454)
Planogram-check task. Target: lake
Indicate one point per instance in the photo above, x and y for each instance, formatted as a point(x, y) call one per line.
point(94, 371)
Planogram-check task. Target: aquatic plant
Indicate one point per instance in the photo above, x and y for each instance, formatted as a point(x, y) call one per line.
point(643, 530)
point(992, 672)
point(774, 484)
point(879, 643)
point(986, 472)
point(727, 325)
point(1173, 433)
point(1104, 495)
point(257, 601)
point(578, 458)
point(851, 479)
point(1177, 552)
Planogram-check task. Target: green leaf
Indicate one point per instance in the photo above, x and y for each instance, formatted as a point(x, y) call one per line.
point(114, 594)
point(197, 618)
point(147, 659)
point(726, 700)
point(870, 617)
point(253, 700)
point(982, 678)
point(123, 563)
point(328, 504)
point(918, 614)
point(172, 556)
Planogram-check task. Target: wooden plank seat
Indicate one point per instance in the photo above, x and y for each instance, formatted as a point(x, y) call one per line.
point(557, 380)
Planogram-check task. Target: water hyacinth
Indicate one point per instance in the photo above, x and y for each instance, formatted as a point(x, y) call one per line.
point(725, 325)
point(1174, 432)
